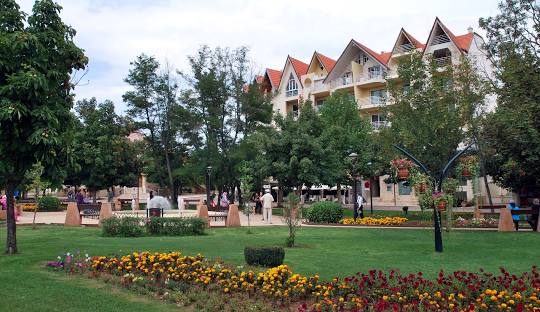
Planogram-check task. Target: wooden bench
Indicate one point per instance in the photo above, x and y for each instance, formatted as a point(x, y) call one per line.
point(91, 211)
point(218, 213)
point(154, 212)
point(522, 212)
point(481, 210)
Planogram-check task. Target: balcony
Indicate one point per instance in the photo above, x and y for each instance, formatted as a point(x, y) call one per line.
point(290, 93)
point(341, 82)
point(378, 125)
point(404, 48)
point(371, 102)
point(371, 78)
point(318, 85)
point(440, 39)
point(443, 61)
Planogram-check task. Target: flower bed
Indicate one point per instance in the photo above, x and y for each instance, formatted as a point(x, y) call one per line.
point(476, 222)
point(374, 221)
point(373, 291)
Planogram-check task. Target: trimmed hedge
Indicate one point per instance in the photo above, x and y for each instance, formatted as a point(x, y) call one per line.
point(134, 226)
point(123, 227)
point(264, 256)
point(49, 203)
point(175, 226)
point(325, 212)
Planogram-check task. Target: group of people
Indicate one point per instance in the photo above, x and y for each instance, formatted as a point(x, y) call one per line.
point(532, 220)
point(263, 205)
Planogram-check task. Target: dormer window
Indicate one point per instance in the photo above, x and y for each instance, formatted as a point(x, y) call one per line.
point(362, 59)
point(292, 87)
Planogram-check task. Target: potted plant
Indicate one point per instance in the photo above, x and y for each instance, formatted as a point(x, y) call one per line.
point(440, 200)
point(450, 185)
point(402, 168)
point(467, 166)
point(420, 182)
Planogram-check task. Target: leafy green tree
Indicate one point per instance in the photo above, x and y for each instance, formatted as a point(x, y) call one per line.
point(292, 151)
point(37, 57)
point(228, 108)
point(344, 131)
point(154, 104)
point(513, 130)
point(433, 110)
point(105, 156)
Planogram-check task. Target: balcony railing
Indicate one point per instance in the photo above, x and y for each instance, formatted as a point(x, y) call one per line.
point(319, 85)
point(291, 93)
point(371, 101)
point(404, 48)
point(443, 61)
point(440, 39)
point(371, 76)
point(377, 125)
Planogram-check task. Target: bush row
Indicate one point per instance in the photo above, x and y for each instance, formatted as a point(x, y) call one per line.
point(264, 256)
point(134, 226)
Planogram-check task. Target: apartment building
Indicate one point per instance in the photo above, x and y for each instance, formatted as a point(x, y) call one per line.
point(362, 72)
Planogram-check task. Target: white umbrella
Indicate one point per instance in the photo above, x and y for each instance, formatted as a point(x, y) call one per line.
point(159, 202)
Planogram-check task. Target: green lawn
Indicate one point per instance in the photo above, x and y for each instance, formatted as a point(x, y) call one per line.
point(27, 286)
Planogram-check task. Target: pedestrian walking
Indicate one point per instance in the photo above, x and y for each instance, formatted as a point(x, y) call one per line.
point(267, 200)
point(224, 202)
point(360, 202)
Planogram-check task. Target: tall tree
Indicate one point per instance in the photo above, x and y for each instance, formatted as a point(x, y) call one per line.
point(227, 107)
point(344, 131)
point(433, 110)
point(513, 130)
point(36, 61)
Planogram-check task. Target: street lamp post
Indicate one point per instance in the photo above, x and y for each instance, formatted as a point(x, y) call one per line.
point(370, 188)
point(208, 199)
point(353, 156)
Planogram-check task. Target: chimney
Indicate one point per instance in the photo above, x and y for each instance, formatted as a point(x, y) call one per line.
point(470, 30)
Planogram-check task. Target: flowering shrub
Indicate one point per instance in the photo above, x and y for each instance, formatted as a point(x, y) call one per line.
point(375, 221)
point(460, 291)
point(477, 222)
point(372, 291)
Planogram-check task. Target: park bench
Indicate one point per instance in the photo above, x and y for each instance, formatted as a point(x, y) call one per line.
point(154, 212)
point(91, 211)
point(218, 213)
point(481, 210)
point(522, 212)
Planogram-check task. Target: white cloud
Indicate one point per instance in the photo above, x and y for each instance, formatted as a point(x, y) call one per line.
point(113, 32)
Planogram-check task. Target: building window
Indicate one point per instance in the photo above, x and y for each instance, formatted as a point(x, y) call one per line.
point(292, 87)
point(375, 72)
point(378, 97)
point(347, 78)
point(319, 103)
point(378, 121)
point(404, 189)
point(295, 111)
point(389, 187)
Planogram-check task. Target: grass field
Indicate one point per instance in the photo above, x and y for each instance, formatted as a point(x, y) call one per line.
point(27, 286)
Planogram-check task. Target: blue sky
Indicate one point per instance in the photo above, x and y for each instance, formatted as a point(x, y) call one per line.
point(114, 32)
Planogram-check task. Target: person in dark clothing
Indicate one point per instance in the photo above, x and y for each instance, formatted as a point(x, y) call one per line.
point(80, 197)
point(258, 203)
point(151, 194)
point(515, 218)
point(533, 220)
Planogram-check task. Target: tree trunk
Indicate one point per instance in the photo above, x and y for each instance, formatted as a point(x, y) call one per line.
point(11, 242)
point(35, 209)
point(169, 174)
point(338, 191)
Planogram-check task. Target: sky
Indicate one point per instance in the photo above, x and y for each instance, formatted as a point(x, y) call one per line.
point(114, 32)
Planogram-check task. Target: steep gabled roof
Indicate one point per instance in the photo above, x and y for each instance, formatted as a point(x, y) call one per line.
point(300, 67)
point(274, 76)
point(327, 62)
point(462, 42)
point(378, 57)
point(413, 40)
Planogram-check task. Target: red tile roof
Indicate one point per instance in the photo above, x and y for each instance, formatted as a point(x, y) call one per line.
point(274, 76)
point(373, 54)
point(385, 56)
point(327, 62)
point(300, 67)
point(464, 41)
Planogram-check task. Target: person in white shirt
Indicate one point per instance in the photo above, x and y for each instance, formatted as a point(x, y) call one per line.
point(267, 200)
point(360, 202)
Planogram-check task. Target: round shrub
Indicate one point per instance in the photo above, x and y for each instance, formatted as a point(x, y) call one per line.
point(49, 203)
point(123, 227)
point(264, 256)
point(325, 212)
